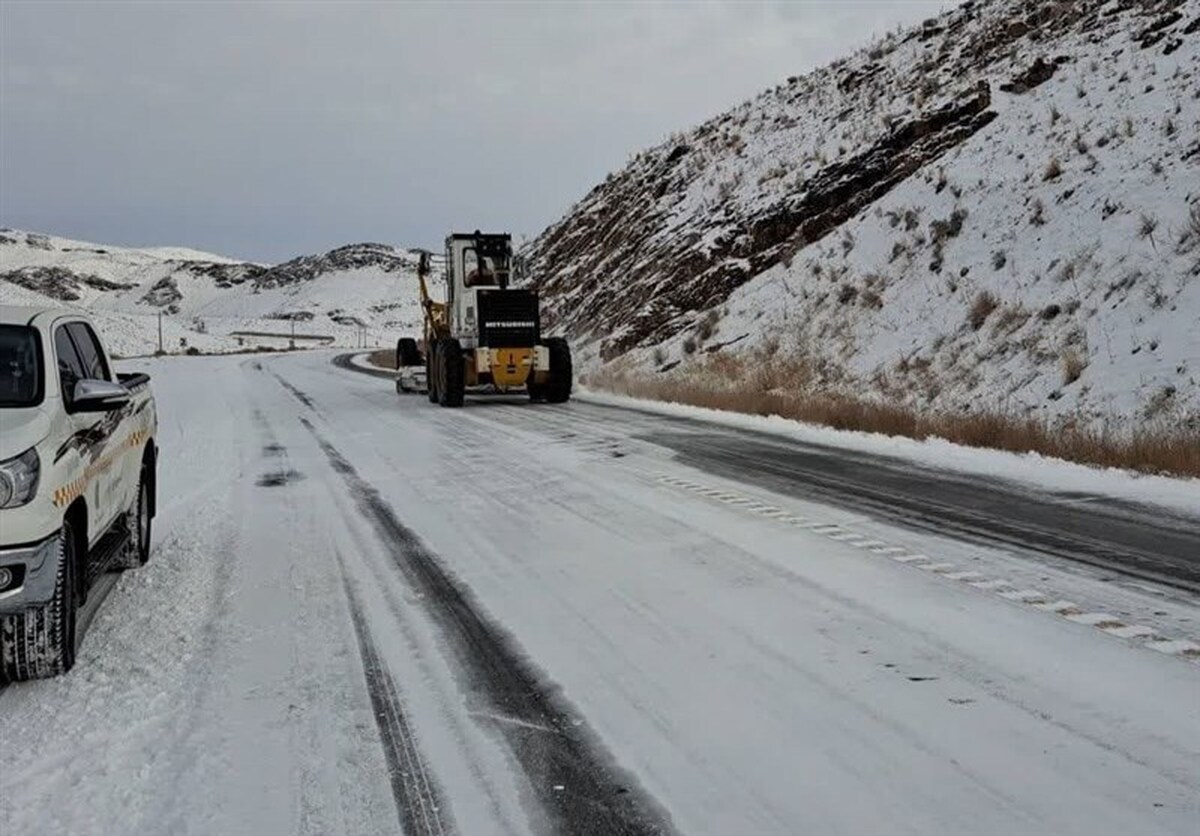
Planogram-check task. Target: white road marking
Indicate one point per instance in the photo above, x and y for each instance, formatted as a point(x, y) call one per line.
point(1036, 599)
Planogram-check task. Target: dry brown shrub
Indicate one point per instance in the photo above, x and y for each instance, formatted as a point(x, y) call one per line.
point(725, 386)
point(1073, 364)
point(385, 358)
point(981, 309)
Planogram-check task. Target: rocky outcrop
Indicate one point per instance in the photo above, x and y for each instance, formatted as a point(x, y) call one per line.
point(223, 274)
point(58, 282)
point(350, 257)
point(164, 293)
point(687, 223)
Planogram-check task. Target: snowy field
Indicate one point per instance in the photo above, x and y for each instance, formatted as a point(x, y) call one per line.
point(365, 614)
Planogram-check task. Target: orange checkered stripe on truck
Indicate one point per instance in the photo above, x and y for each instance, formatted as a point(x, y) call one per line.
point(74, 489)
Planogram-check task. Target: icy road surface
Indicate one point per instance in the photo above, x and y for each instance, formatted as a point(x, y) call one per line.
point(366, 614)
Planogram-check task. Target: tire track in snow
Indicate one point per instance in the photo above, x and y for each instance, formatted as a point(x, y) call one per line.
point(576, 782)
point(296, 393)
point(418, 798)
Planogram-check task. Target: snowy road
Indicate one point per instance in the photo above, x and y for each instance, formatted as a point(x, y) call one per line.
point(366, 614)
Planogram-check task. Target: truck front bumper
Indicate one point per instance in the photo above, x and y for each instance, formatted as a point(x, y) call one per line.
point(31, 571)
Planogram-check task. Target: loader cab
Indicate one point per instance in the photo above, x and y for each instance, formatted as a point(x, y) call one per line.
point(479, 267)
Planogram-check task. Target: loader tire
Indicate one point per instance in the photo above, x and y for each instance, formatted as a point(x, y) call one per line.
point(451, 380)
point(40, 642)
point(407, 353)
point(558, 388)
point(431, 373)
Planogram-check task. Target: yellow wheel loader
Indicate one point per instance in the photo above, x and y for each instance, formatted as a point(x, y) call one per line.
point(486, 337)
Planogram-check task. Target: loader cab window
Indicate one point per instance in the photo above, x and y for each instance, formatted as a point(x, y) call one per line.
point(479, 271)
point(484, 271)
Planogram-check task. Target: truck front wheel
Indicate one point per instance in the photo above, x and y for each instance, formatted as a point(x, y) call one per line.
point(40, 642)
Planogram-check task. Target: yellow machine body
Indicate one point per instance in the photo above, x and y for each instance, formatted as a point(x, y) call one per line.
point(510, 367)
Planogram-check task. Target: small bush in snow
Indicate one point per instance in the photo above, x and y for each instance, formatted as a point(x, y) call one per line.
point(660, 356)
point(1038, 218)
point(999, 259)
point(1010, 319)
point(689, 345)
point(950, 228)
point(1073, 365)
point(708, 325)
point(1190, 236)
point(1146, 226)
point(1053, 169)
point(981, 309)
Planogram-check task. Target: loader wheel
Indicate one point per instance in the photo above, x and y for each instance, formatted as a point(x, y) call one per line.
point(40, 641)
point(451, 382)
point(558, 388)
point(407, 353)
point(431, 376)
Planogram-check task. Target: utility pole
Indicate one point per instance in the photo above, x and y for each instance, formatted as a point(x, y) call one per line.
point(292, 342)
point(160, 345)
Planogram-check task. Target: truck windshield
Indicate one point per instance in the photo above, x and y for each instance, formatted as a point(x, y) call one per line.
point(20, 366)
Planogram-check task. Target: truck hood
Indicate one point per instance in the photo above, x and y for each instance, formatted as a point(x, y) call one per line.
point(21, 429)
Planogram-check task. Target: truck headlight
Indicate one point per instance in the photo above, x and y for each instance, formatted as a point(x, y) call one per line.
point(19, 479)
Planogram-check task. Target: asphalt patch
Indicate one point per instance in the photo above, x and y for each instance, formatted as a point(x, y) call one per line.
point(279, 478)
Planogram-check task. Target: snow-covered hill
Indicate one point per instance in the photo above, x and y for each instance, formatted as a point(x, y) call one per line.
point(213, 303)
point(998, 209)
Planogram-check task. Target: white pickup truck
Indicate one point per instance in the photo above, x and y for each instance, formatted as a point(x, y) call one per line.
point(77, 481)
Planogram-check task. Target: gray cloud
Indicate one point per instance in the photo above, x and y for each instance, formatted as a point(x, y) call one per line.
point(266, 130)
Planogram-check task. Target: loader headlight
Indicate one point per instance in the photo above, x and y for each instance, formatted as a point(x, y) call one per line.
point(19, 479)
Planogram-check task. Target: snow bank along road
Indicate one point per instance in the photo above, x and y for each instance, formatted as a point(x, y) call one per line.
point(366, 614)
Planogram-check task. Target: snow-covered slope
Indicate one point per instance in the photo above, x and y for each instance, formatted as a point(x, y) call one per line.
point(998, 209)
point(214, 303)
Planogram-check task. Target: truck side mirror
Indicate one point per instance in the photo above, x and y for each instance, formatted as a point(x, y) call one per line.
point(98, 396)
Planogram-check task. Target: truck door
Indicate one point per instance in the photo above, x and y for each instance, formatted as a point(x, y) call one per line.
point(112, 478)
point(93, 440)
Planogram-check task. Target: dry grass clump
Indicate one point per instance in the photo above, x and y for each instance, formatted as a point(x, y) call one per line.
point(780, 386)
point(981, 309)
point(1073, 364)
point(385, 358)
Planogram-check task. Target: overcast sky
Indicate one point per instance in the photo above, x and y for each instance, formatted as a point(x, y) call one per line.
point(267, 130)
